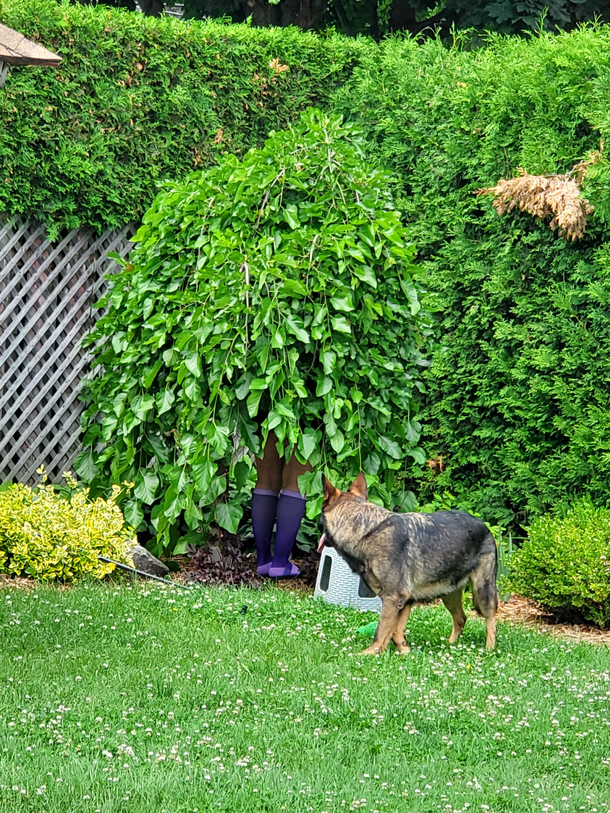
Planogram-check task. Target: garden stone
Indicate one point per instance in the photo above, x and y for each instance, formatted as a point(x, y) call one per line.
point(144, 560)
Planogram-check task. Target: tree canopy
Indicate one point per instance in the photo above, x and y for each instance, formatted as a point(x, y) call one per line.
point(380, 17)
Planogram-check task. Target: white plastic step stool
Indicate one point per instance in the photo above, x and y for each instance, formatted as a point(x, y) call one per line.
point(338, 584)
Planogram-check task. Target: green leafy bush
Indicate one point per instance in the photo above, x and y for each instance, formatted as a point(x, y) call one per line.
point(279, 284)
point(140, 100)
point(564, 565)
point(517, 397)
point(48, 536)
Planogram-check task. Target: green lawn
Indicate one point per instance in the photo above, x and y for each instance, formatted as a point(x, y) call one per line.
point(148, 699)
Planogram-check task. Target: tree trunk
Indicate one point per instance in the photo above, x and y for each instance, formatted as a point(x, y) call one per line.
point(306, 14)
point(311, 13)
point(402, 16)
point(152, 8)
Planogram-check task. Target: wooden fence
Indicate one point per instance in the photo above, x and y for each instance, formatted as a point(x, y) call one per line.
point(47, 293)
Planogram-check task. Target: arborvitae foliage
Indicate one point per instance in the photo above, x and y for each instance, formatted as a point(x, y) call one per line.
point(138, 101)
point(517, 395)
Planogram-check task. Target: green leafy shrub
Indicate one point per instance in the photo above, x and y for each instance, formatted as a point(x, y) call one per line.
point(50, 537)
point(279, 284)
point(517, 398)
point(139, 100)
point(564, 565)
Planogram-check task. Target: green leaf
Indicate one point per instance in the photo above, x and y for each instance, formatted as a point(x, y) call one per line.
point(277, 339)
point(337, 441)
point(244, 386)
point(192, 515)
point(292, 218)
point(229, 516)
point(147, 484)
point(406, 502)
point(164, 400)
point(328, 359)
point(366, 274)
point(324, 385)
point(148, 381)
point(294, 286)
point(202, 474)
point(142, 404)
point(418, 455)
point(343, 302)
point(241, 473)
point(308, 442)
point(340, 324)
point(391, 447)
point(193, 363)
point(191, 538)
point(133, 513)
point(192, 390)
point(85, 467)
point(296, 326)
point(253, 402)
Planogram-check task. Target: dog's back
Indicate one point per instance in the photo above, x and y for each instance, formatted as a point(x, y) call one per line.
point(442, 550)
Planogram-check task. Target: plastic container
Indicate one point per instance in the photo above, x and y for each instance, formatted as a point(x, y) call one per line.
point(338, 584)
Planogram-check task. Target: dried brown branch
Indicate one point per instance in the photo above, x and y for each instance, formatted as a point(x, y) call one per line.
point(543, 196)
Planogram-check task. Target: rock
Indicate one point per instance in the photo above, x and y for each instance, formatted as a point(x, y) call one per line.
point(144, 560)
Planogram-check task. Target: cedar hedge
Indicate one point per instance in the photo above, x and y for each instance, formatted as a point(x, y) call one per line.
point(518, 401)
point(139, 100)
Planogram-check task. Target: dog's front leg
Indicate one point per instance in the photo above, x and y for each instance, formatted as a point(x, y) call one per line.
point(391, 608)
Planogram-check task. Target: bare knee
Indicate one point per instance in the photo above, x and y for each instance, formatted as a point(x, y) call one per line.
point(291, 473)
point(269, 467)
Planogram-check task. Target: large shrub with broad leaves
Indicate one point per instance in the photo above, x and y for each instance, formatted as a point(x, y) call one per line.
point(279, 286)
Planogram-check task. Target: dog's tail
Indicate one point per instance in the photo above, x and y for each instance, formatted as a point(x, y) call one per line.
point(484, 577)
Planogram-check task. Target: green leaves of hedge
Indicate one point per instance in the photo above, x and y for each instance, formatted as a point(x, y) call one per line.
point(138, 100)
point(517, 393)
point(279, 289)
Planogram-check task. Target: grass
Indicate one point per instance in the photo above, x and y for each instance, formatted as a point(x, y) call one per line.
point(148, 699)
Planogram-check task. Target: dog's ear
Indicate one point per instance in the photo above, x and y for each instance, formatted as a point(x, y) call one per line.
point(359, 487)
point(329, 490)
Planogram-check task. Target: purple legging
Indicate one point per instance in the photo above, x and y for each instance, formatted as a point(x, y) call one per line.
point(288, 510)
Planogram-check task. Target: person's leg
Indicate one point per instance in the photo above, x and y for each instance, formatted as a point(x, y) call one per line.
point(290, 513)
point(264, 502)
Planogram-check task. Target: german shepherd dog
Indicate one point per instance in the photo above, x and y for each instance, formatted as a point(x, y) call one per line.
point(412, 558)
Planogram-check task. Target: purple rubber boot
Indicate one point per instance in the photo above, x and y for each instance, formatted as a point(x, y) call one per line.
point(264, 504)
point(290, 512)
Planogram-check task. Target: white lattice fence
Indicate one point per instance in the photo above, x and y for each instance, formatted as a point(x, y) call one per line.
point(47, 293)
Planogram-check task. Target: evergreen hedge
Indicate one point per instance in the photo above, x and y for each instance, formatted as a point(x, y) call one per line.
point(518, 397)
point(139, 100)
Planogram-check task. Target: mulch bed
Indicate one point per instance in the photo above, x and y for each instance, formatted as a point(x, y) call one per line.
point(225, 562)
point(523, 611)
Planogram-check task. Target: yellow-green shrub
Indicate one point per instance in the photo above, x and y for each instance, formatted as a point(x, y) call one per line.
point(51, 537)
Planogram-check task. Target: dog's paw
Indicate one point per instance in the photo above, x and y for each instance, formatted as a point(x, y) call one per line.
point(403, 650)
point(372, 650)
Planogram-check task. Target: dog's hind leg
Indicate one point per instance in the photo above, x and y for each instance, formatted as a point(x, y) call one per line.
point(388, 619)
point(453, 602)
point(485, 593)
point(398, 636)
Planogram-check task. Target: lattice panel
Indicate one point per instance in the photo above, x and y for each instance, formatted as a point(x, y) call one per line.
point(47, 293)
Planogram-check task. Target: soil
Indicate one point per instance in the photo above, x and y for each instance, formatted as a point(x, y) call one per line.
point(523, 611)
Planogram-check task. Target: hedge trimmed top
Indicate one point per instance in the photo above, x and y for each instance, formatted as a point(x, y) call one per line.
point(139, 100)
